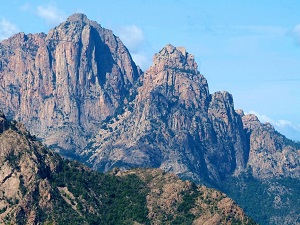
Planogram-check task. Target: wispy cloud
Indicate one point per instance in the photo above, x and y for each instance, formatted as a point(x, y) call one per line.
point(295, 32)
point(133, 38)
point(7, 29)
point(291, 130)
point(25, 7)
point(141, 60)
point(51, 14)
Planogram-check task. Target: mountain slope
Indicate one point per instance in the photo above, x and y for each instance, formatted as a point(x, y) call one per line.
point(39, 187)
point(271, 154)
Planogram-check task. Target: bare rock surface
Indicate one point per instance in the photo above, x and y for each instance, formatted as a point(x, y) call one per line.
point(61, 85)
point(271, 154)
point(175, 124)
point(24, 165)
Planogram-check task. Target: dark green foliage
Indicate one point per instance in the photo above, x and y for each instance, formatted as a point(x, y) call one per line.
point(3, 210)
point(12, 125)
point(21, 186)
point(257, 200)
point(13, 160)
point(254, 197)
point(294, 144)
point(189, 198)
point(113, 199)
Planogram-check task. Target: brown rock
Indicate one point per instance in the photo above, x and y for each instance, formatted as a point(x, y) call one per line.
point(63, 84)
point(271, 154)
point(175, 125)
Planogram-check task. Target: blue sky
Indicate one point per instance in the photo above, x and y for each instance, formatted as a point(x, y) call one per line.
point(249, 48)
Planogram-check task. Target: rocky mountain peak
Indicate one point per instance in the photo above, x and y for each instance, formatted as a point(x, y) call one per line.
point(77, 28)
point(251, 121)
point(240, 112)
point(78, 17)
point(174, 75)
point(171, 57)
point(175, 122)
point(64, 83)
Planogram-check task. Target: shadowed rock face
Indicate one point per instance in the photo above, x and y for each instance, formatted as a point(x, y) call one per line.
point(63, 84)
point(271, 154)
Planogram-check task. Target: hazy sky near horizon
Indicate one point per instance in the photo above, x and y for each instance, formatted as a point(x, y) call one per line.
point(248, 48)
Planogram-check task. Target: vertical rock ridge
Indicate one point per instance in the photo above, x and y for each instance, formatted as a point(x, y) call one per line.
point(63, 84)
point(175, 124)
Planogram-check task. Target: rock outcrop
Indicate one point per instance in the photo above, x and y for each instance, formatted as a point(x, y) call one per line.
point(175, 124)
point(271, 154)
point(63, 84)
point(24, 178)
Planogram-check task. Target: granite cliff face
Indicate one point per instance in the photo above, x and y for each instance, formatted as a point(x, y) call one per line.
point(175, 124)
point(271, 154)
point(63, 84)
point(38, 187)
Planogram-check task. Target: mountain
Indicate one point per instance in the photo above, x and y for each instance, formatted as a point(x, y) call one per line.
point(78, 90)
point(175, 124)
point(271, 154)
point(63, 84)
point(39, 187)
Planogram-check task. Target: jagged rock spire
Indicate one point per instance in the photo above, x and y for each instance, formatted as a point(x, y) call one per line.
point(173, 57)
point(63, 84)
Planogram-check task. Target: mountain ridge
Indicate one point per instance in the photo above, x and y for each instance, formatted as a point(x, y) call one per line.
point(78, 89)
point(171, 97)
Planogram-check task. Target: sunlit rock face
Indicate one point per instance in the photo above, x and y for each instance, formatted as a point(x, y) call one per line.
point(175, 124)
point(61, 85)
